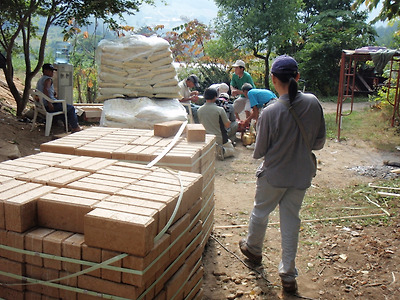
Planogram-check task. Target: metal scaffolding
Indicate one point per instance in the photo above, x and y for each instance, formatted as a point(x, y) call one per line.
point(347, 82)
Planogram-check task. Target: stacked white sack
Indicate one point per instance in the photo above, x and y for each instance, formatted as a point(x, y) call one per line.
point(136, 66)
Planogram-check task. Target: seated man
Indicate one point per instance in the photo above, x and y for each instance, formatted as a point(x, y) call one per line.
point(259, 98)
point(189, 96)
point(223, 101)
point(215, 121)
point(45, 85)
point(220, 87)
point(239, 78)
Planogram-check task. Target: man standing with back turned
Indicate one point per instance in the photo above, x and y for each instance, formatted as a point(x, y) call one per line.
point(287, 169)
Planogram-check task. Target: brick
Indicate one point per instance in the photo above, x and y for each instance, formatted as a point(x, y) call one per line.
point(2, 215)
point(63, 212)
point(52, 245)
point(12, 267)
point(119, 231)
point(173, 287)
point(50, 274)
point(161, 208)
point(168, 201)
point(71, 282)
point(81, 194)
point(195, 133)
point(89, 164)
point(167, 129)
point(93, 187)
point(32, 296)
point(111, 275)
point(91, 254)
point(143, 211)
point(158, 257)
point(15, 240)
point(72, 248)
point(15, 187)
point(21, 210)
point(107, 287)
point(8, 293)
point(194, 282)
point(34, 242)
point(59, 147)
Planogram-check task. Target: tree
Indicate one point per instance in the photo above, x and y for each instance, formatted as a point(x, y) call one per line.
point(258, 26)
point(187, 40)
point(329, 27)
point(390, 9)
point(18, 30)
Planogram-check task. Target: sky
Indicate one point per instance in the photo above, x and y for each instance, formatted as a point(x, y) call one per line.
point(176, 11)
point(170, 15)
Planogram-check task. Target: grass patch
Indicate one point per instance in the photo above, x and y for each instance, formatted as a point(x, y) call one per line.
point(336, 206)
point(369, 125)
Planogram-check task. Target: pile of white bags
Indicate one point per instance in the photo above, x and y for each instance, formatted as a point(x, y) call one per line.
point(141, 113)
point(136, 66)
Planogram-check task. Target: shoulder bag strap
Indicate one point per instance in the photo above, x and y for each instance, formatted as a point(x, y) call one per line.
point(296, 117)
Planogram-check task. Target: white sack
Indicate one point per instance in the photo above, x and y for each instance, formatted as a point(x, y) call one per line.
point(140, 113)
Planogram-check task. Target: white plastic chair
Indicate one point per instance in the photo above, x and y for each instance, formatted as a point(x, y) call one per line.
point(39, 108)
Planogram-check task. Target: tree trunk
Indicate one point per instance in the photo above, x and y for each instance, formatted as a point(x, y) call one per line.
point(265, 58)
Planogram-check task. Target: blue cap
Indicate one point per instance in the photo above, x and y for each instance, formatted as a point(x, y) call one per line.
point(284, 64)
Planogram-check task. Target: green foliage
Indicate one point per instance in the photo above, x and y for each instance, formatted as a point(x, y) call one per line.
point(390, 9)
point(212, 73)
point(18, 28)
point(187, 41)
point(257, 26)
point(329, 31)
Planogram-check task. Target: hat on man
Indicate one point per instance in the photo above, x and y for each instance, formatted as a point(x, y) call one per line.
point(48, 67)
point(193, 78)
point(223, 88)
point(284, 64)
point(239, 63)
point(224, 95)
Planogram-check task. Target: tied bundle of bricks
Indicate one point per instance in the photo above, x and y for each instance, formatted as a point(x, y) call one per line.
point(136, 66)
point(87, 227)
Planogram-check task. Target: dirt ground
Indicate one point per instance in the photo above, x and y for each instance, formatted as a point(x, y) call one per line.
point(334, 262)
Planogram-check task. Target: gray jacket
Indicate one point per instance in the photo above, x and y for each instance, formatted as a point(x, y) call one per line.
point(287, 160)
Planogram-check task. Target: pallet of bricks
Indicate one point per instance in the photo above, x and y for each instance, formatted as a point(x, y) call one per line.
point(86, 226)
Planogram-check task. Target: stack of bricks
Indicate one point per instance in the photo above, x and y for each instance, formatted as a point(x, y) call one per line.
point(87, 226)
point(193, 152)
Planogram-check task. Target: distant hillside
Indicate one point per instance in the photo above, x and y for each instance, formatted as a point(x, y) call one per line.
point(386, 36)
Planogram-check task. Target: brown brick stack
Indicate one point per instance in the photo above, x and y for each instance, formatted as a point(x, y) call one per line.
point(61, 215)
point(142, 146)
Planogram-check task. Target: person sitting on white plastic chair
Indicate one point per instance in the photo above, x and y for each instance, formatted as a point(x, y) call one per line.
point(45, 85)
point(188, 96)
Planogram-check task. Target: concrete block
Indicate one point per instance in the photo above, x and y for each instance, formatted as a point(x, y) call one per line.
point(63, 212)
point(167, 129)
point(195, 133)
point(52, 244)
point(107, 287)
point(21, 210)
point(34, 242)
point(118, 231)
point(72, 248)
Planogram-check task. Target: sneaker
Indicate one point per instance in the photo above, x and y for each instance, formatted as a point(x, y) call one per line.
point(289, 287)
point(251, 147)
point(255, 259)
point(220, 152)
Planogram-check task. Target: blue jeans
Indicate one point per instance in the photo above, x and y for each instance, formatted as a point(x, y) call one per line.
point(71, 115)
point(266, 200)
